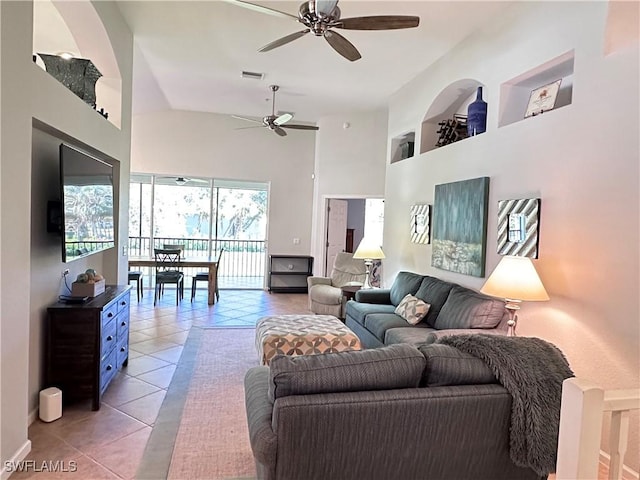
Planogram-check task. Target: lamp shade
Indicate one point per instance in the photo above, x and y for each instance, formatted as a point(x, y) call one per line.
point(368, 251)
point(515, 278)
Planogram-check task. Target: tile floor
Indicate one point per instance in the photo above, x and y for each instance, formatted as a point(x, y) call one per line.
point(109, 443)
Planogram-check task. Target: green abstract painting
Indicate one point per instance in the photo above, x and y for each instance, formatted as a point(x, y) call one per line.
point(460, 226)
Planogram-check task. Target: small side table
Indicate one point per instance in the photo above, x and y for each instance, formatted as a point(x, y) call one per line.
point(349, 291)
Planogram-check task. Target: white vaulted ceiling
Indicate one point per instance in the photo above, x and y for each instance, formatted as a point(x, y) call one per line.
point(190, 55)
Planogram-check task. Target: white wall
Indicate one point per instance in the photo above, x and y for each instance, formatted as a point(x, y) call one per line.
point(31, 262)
point(581, 160)
point(349, 162)
point(205, 144)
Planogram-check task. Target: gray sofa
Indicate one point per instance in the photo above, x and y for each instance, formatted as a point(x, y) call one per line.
point(454, 310)
point(395, 412)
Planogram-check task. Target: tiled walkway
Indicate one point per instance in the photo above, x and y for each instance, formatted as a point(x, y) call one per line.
point(109, 443)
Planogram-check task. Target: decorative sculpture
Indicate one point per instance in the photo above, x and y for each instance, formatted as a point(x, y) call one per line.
point(77, 74)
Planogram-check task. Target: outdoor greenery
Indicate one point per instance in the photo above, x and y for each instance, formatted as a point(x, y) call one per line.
point(196, 214)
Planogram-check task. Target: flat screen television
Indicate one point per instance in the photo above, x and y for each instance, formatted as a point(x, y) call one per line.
point(87, 204)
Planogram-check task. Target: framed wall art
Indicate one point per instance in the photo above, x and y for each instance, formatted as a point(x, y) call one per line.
point(518, 227)
point(543, 99)
point(460, 226)
point(421, 223)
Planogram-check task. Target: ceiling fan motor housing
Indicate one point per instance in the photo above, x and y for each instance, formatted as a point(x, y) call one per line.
point(318, 22)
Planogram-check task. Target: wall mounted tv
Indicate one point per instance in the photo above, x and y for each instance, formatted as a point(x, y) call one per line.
point(87, 204)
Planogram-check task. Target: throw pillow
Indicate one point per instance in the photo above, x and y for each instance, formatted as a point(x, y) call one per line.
point(412, 309)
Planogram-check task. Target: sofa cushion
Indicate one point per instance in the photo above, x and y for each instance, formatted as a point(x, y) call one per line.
point(466, 308)
point(412, 336)
point(396, 366)
point(447, 365)
point(358, 311)
point(405, 282)
point(435, 292)
point(379, 323)
point(412, 309)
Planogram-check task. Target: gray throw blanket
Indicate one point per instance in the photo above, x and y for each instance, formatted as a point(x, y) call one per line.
point(532, 370)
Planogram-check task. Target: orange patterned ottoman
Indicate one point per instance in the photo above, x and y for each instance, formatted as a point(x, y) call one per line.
point(302, 335)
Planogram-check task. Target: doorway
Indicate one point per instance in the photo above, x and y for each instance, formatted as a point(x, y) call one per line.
point(348, 221)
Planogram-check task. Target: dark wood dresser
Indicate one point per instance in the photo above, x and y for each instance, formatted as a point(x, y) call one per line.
point(86, 344)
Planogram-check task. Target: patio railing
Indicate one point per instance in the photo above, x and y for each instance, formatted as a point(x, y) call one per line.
point(241, 258)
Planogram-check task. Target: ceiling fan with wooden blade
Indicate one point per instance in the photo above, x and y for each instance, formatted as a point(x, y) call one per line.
point(321, 16)
point(276, 123)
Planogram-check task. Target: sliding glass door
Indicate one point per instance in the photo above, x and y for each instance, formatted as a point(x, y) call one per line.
point(206, 216)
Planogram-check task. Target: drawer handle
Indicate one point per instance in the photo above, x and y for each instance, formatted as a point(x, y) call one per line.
point(109, 367)
point(122, 349)
point(110, 314)
point(109, 338)
point(123, 324)
point(123, 303)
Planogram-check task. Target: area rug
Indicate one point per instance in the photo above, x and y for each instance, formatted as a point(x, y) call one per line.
point(212, 441)
point(201, 430)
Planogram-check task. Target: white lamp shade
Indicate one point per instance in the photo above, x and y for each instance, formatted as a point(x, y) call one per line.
point(515, 278)
point(368, 251)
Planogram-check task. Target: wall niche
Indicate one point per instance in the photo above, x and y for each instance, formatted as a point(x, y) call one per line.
point(451, 103)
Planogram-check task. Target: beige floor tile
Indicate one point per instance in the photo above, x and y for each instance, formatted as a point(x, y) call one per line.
point(171, 355)
point(134, 354)
point(122, 456)
point(137, 337)
point(45, 446)
point(146, 408)
point(104, 426)
point(161, 330)
point(178, 338)
point(143, 364)
point(153, 345)
point(124, 389)
point(160, 377)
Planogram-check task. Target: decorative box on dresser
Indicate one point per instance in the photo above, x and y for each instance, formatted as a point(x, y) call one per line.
point(86, 344)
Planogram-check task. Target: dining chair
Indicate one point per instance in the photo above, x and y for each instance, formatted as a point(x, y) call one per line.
point(168, 272)
point(204, 277)
point(136, 276)
point(174, 246)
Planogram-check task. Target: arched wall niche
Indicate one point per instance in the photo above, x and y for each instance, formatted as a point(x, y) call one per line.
point(453, 99)
point(76, 27)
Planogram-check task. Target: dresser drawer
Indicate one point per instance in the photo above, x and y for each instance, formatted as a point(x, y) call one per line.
point(123, 303)
point(108, 368)
point(108, 338)
point(122, 352)
point(122, 321)
point(109, 313)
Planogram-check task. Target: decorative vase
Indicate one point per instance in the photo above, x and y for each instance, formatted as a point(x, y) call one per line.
point(477, 115)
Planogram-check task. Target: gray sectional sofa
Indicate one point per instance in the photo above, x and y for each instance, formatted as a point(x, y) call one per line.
point(397, 412)
point(453, 310)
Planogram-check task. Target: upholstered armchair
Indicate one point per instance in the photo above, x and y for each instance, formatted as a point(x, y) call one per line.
point(325, 295)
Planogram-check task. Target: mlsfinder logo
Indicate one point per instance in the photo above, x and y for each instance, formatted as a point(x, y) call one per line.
point(41, 466)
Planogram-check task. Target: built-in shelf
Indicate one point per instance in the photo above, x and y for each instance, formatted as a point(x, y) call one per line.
point(515, 93)
point(452, 101)
point(403, 146)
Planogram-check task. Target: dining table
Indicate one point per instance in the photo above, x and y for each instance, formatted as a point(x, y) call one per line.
point(211, 263)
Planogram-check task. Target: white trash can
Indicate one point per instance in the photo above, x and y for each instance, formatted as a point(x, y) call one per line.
point(50, 404)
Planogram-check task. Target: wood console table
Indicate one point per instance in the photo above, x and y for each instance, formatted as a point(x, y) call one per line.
point(211, 263)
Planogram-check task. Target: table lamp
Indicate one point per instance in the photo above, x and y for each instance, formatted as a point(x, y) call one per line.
point(515, 279)
point(368, 251)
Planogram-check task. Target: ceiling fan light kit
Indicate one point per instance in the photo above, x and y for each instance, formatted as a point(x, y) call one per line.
point(320, 16)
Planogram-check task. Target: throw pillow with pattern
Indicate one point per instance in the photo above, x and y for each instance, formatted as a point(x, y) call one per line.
point(412, 309)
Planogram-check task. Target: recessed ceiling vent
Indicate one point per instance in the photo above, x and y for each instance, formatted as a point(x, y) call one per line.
point(252, 75)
